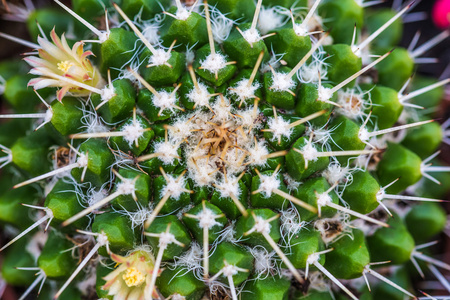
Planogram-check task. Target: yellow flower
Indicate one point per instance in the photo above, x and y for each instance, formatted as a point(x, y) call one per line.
point(132, 277)
point(58, 65)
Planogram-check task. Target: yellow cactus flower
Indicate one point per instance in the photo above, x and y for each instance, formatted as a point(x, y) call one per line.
point(133, 276)
point(58, 65)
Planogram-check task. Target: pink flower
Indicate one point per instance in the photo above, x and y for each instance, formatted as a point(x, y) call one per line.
point(58, 65)
point(132, 278)
point(441, 13)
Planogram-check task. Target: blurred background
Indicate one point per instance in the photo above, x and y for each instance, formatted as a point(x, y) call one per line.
point(420, 19)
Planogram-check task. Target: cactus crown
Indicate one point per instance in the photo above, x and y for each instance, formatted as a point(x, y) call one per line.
point(221, 149)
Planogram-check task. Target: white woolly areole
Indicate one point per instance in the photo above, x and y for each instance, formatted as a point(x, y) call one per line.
point(270, 18)
point(257, 154)
point(309, 152)
point(177, 297)
point(301, 29)
point(108, 92)
point(48, 115)
point(126, 187)
point(214, 62)
point(181, 129)
point(165, 238)
point(261, 225)
point(82, 160)
point(281, 82)
point(182, 14)
point(380, 195)
point(325, 94)
point(335, 173)
point(228, 188)
point(364, 134)
point(229, 270)
point(291, 183)
point(352, 104)
point(311, 73)
point(199, 96)
point(312, 258)
point(268, 184)
point(323, 199)
point(207, 218)
point(280, 127)
point(243, 91)
point(132, 132)
point(168, 152)
point(166, 100)
point(174, 186)
point(251, 36)
point(264, 262)
point(159, 57)
point(102, 239)
point(96, 196)
point(150, 31)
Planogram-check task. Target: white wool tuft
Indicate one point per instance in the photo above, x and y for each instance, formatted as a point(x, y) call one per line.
point(229, 270)
point(264, 260)
point(181, 129)
point(269, 184)
point(271, 18)
point(325, 94)
point(364, 134)
point(291, 183)
point(199, 96)
point(108, 93)
point(309, 152)
point(280, 127)
point(207, 218)
point(221, 25)
point(214, 62)
point(323, 199)
point(183, 14)
point(126, 187)
point(281, 82)
point(150, 31)
point(160, 57)
point(301, 29)
point(335, 173)
point(290, 223)
point(82, 160)
point(174, 186)
point(312, 258)
point(228, 188)
point(262, 225)
point(132, 132)
point(168, 152)
point(166, 238)
point(165, 100)
point(251, 36)
point(243, 91)
point(48, 115)
point(353, 104)
point(96, 196)
point(257, 154)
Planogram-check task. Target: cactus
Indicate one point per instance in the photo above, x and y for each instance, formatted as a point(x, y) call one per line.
point(268, 150)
